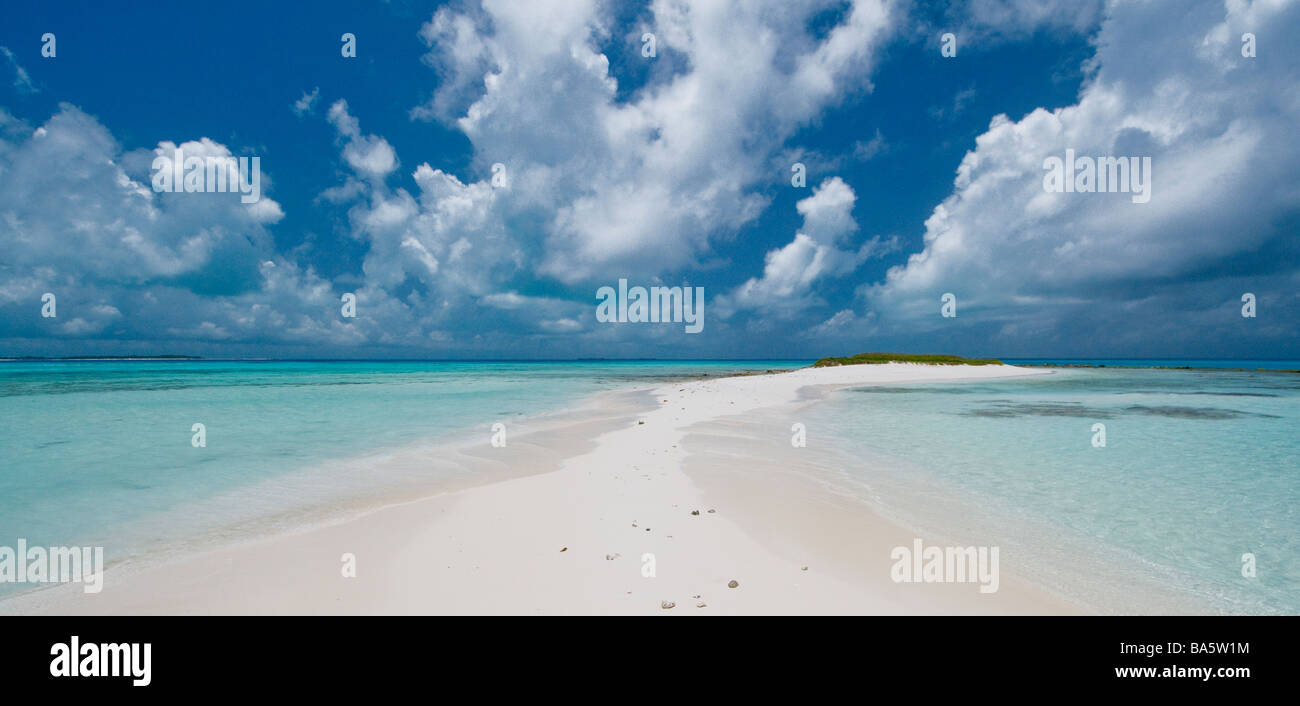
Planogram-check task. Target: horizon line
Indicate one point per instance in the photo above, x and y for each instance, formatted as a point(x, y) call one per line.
point(259, 359)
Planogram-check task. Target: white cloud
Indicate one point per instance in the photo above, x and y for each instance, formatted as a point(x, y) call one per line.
point(604, 183)
point(817, 251)
point(645, 184)
point(369, 155)
point(450, 238)
point(1011, 18)
point(307, 102)
point(79, 219)
point(833, 327)
point(1219, 129)
point(74, 202)
point(561, 325)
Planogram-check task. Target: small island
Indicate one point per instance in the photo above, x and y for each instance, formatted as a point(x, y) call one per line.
point(882, 358)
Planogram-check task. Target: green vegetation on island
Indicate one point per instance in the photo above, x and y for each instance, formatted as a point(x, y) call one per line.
point(926, 359)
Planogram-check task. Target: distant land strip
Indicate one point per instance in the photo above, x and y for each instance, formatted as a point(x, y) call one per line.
point(926, 359)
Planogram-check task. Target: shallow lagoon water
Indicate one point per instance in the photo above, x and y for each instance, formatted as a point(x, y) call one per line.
point(1199, 467)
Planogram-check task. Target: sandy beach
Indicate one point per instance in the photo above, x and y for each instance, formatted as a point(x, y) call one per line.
point(574, 518)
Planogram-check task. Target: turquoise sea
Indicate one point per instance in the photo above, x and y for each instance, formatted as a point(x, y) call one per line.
point(99, 452)
point(1218, 364)
point(1199, 468)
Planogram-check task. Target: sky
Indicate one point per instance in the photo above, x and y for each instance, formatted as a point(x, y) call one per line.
point(478, 170)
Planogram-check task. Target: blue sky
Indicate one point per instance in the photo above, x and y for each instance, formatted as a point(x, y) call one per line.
point(923, 177)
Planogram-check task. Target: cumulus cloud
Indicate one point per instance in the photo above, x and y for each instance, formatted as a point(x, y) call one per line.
point(642, 184)
point(74, 202)
point(573, 180)
point(591, 182)
point(79, 219)
point(1171, 84)
point(434, 255)
point(369, 155)
point(817, 251)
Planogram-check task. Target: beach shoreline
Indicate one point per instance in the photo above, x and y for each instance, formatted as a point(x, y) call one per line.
point(577, 519)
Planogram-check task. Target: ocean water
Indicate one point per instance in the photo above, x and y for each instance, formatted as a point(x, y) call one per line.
point(99, 452)
point(1161, 363)
point(1199, 468)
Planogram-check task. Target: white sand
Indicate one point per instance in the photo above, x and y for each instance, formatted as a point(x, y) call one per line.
point(497, 548)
